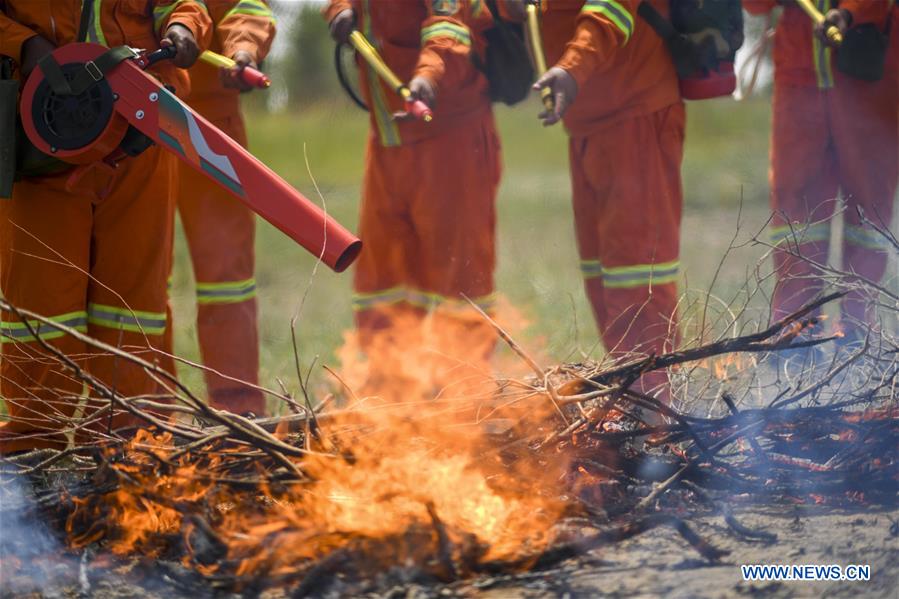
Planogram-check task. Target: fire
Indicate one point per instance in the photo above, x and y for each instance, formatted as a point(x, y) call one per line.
point(409, 463)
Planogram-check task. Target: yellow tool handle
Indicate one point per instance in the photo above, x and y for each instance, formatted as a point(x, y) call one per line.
point(371, 56)
point(546, 94)
point(217, 60)
point(832, 32)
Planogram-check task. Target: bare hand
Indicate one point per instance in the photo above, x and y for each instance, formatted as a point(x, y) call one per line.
point(839, 18)
point(186, 46)
point(422, 89)
point(231, 78)
point(34, 49)
point(342, 25)
point(564, 90)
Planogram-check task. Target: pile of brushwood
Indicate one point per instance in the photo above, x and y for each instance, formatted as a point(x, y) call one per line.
point(633, 464)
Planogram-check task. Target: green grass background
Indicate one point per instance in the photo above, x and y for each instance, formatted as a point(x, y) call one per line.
point(724, 174)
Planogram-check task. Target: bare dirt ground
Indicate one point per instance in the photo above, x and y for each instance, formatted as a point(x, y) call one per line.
point(655, 564)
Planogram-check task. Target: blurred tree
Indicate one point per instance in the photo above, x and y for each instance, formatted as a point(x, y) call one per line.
point(307, 61)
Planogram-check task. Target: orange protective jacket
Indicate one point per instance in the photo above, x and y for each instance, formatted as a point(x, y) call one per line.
point(422, 38)
point(122, 22)
point(246, 25)
point(800, 58)
point(620, 63)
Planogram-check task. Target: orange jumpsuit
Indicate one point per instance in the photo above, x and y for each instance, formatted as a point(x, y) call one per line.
point(95, 257)
point(626, 129)
point(220, 231)
point(830, 133)
point(428, 199)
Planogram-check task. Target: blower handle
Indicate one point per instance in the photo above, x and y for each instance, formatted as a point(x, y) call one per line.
point(167, 53)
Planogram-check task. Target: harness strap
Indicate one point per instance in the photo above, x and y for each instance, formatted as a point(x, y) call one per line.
point(83, 80)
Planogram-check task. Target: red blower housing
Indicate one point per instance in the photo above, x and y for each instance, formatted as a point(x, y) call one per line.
point(91, 126)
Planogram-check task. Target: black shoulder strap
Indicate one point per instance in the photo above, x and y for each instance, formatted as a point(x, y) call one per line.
point(93, 71)
point(87, 13)
point(660, 24)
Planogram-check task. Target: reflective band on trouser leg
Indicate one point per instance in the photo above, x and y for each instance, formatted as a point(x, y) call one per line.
point(374, 299)
point(255, 8)
point(429, 301)
point(15, 331)
point(455, 32)
point(591, 269)
point(785, 236)
point(864, 237)
point(121, 319)
point(639, 275)
point(230, 292)
point(614, 12)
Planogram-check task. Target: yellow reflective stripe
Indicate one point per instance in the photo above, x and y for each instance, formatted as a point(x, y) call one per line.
point(445, 29)
point(388, 130)
point(94, 33)
point(135, 321)
point(591, 269)
point(799, 234)
point(18, 331)
point(364, 301)
point(229, 292)
point(821, 55)
point(639, 275)
point(255, 8)
point(614, 12)
point(477, 7)
point(866, 238)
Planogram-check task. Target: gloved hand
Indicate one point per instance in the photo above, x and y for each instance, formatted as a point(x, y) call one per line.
point(342, 25)
point(837, 17)
point(181, 37)
point(422, 89)
point(34, 49)
point(564, 90)
point(231, 78)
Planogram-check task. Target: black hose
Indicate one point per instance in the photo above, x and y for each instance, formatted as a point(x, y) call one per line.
point(341, 76)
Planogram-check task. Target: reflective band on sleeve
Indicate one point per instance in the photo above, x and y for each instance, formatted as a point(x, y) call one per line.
point(614, 12)
point(161, 14)
point(18, 332)
point(591, 269)
point(865, 238)
point(255, 8)
point(120, 319)
point(445, 29)
point(640, 275)
point(230, 292)
point(366, 301)
point(798, 234)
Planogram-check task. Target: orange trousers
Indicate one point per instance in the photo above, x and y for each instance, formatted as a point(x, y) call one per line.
point(627, 209)
point(220, 234)
point(428, 221)
point(826, 141)
point(95, 259)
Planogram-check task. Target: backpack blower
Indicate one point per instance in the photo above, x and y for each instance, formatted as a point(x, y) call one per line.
point(86, 104)
point(703, 37)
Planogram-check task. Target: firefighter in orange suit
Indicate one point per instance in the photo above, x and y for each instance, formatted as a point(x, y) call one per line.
point(830, 133)
point(428, 199)
point(220, 231)
point(616, 89)
point(93, 257)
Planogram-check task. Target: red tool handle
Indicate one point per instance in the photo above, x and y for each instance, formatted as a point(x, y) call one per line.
point(419, 110)
point(255, 77)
